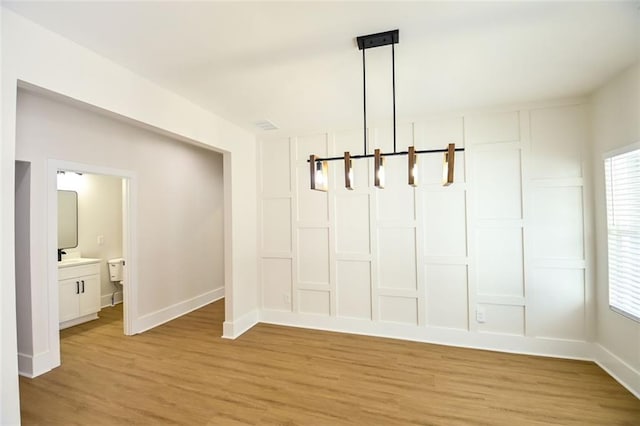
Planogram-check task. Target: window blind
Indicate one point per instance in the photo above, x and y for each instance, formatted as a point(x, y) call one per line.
point(622, 180)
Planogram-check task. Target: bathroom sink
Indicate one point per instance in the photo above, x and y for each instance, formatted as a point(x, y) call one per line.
point(76, 261)
point(71, 261)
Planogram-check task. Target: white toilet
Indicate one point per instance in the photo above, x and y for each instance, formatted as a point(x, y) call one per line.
point(116, 275)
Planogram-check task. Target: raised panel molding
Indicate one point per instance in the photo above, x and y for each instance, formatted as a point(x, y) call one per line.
point(276, 238)
point(397, 201)
point(352, 224)
point(276, 275)
point(420, 262)
point(436, 134)
point(493, 127)
point(503, 319)
point(557, 137)
point(445, 227)
point(556, 221)
point(311, 206)
point(313, 253)
point(399, 309)
point(397, 258)
point(307, 145)
point(500, 261)
point(314, 302)
point(493, 299)
point(556, 303)
point(382, 137)
point(276, 168)
point(497, 178)
point(447, 296)
point(354, 289)
point(351, 141)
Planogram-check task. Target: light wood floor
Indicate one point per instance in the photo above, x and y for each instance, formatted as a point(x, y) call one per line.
point(184, 373)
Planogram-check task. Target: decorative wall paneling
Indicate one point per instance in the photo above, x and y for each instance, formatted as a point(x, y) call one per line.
point(559, 302)
point(499, 253)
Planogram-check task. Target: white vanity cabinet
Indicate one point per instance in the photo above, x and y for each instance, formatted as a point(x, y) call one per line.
point(79, 291)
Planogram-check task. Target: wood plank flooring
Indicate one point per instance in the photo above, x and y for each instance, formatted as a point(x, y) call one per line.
point(184, 373)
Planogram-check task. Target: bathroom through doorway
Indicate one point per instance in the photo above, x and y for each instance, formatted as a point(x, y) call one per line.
point(105, 234)
point(90, 245)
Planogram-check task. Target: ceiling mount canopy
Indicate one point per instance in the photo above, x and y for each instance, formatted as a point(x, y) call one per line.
point(378, 39)
point(319, 166)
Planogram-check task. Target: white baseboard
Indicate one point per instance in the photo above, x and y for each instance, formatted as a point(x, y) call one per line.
point(234, 329)
point(441, 336)
point(105, 299)
point(80, 320)
point(625, 374)
point(161, 316)
point(33, 365)
point(25, 365)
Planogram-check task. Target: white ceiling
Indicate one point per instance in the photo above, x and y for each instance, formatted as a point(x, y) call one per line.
point(296, 63)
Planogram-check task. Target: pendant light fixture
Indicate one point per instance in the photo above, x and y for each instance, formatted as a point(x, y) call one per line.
point(348, 171)
point(378, 177)
point(319, 170)
point(448, 164)
point(319, 166)
point(412, 166)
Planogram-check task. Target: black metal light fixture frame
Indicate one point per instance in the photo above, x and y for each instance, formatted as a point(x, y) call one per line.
point(368, 42)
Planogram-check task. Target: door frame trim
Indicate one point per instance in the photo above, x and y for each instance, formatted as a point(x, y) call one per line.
point(129, 245)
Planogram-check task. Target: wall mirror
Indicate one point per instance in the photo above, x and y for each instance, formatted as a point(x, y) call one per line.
point(67, 219)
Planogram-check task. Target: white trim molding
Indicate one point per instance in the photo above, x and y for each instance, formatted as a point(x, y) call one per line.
point(161, 316)
point(523, 345)
point(107, 299)
point(34, 365)
point(234, 329)
point(624, 374)
point(80, 320)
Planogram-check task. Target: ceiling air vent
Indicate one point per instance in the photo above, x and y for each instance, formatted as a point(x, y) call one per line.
point(265, 125)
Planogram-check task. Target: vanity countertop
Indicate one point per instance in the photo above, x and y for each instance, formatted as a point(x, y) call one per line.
point(77, 261)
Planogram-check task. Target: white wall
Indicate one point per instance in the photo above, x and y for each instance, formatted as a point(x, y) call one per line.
point(507, 238)
point(616, 123)
point(39, 57)
point(100, 215)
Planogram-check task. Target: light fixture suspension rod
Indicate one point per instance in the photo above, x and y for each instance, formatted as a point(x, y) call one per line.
point(389, 154)
point(393, 80)
point(364, 98)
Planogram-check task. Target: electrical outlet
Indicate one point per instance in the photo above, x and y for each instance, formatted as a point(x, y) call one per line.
point(480, 314)
point(100, 240)
point(287, 298)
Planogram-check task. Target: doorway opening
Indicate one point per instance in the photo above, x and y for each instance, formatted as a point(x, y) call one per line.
point(98, 205)
point(180, 228)
point(90, 239)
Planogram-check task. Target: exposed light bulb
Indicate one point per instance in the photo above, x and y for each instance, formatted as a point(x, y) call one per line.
point(445, 168)
point(348, 171)
point(320, 179)
point(413, 166)
point(319, 174)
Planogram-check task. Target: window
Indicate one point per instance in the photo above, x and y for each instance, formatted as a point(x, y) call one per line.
point(622, 181)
